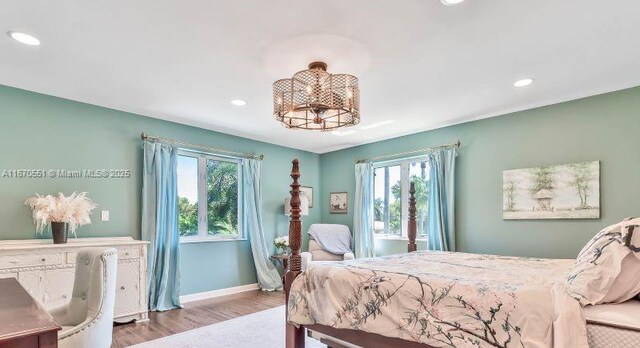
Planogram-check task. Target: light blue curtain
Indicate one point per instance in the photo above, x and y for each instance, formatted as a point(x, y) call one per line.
point(160, 224)
point(441, 214)
point(268, 276)
point(363, 212)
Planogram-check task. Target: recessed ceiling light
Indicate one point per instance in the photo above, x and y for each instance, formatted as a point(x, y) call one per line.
point(451, 2)
point(24, 38)
point(375, 125)
point(341, 134)
point(238, 102)
point(523, 82)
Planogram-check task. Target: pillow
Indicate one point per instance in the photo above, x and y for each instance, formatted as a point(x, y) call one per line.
point(606, 270)
point(632, 226)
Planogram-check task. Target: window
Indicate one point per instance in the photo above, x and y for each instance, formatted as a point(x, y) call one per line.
point(391, 197)
point(209, 197)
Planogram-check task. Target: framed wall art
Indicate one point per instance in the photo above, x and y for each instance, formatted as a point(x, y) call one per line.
point(338, 203)
point(569, 191)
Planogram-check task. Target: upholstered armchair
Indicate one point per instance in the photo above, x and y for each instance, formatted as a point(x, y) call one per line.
point(327, 242)
point(87, 320)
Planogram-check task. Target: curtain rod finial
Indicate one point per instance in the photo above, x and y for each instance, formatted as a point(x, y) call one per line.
point(143, 136)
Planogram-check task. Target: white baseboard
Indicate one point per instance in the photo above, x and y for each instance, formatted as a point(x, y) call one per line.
point(217, 293)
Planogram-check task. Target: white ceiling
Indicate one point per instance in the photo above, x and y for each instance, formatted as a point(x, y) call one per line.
point(420, 63)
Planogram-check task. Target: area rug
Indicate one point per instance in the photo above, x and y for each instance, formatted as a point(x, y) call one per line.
point(261, 329)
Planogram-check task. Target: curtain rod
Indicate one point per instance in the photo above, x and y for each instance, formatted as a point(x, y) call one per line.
point(201, 147)
point(427, 150)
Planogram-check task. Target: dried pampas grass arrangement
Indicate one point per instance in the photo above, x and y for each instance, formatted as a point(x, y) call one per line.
point(74, 210)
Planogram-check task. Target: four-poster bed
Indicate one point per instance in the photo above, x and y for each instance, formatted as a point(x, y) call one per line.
point(425, 299)
point(295, 335)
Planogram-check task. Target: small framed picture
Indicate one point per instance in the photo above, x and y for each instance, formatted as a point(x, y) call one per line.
point(308, 191)
point(338, 203)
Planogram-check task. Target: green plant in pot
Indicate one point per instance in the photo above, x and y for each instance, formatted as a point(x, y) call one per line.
point(64, 213)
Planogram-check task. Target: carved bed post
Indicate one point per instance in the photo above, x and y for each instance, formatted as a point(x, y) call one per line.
point(412, 228)
point(294, 335)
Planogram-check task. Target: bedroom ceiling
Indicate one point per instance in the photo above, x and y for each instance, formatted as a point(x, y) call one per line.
point(421, 64)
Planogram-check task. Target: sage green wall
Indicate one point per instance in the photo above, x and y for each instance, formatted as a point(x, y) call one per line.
point(604, 128)
point(42, 132)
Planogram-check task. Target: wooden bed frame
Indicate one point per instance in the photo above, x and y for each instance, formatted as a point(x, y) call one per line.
point(295, 336)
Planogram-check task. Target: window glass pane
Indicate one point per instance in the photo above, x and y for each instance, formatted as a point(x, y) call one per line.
point(222, 198)
point(419, 174)
point(187, 196)
point(387, 201)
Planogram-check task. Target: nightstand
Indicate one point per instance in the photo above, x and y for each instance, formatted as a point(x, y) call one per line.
point(283, 259)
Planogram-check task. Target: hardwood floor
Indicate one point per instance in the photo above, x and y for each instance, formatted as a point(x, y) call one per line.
point(194, 315)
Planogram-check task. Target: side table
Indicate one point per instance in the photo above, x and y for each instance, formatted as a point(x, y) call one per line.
point(283, 259)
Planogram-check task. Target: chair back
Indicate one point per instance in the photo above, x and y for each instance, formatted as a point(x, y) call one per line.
point(94, 292)
point(334, 235)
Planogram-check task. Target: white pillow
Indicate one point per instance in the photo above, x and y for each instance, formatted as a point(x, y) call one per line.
point(606, 270)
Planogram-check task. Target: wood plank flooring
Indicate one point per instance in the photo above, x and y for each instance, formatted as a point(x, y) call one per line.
point(194, 315)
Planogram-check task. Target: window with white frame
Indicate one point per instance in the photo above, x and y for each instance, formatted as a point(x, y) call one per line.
point(391, 197)
point(209, 197)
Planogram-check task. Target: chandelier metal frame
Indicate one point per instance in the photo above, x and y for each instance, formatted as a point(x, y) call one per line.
point(314, 99)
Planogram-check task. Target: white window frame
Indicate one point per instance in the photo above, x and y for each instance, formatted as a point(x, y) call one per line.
point(405, 171)
point(203, 233)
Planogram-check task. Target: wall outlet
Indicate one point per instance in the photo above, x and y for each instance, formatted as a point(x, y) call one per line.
point(105, 215)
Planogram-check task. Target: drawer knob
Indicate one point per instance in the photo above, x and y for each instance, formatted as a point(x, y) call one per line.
point(126, 254)
point(43, 259)
point(122, 287)
point(64, 296)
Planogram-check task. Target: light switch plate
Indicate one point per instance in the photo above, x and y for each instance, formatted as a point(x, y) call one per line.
point(105, 215)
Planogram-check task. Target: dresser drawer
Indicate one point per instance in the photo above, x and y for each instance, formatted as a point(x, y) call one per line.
point(29, 260)
point(123, 254)
point(128, 253)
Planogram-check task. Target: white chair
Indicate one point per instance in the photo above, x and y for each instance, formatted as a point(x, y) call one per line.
point(87, 320)
point(316, 253)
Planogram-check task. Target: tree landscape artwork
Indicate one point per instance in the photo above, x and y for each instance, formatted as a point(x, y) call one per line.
point(570, 191)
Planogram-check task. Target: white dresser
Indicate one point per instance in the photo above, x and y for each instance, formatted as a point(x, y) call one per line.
point(47, 270)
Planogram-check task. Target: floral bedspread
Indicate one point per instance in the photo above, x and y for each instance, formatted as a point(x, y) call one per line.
point(444, 299)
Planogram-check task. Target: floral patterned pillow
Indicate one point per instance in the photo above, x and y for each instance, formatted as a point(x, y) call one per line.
point(606, 270)
point(631, 228)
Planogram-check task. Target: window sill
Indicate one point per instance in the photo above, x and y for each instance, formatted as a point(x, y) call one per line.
point(190, 240)
point(382, 237)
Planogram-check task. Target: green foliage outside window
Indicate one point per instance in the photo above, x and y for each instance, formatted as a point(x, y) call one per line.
point(222, 198)
point(388, 183)
point(222, 202)
point(421, 195)
point(187, 217)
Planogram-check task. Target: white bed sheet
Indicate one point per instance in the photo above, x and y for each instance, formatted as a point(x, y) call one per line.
point(623, 315)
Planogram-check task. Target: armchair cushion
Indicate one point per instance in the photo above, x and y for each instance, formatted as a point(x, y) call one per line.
point(320, 254)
